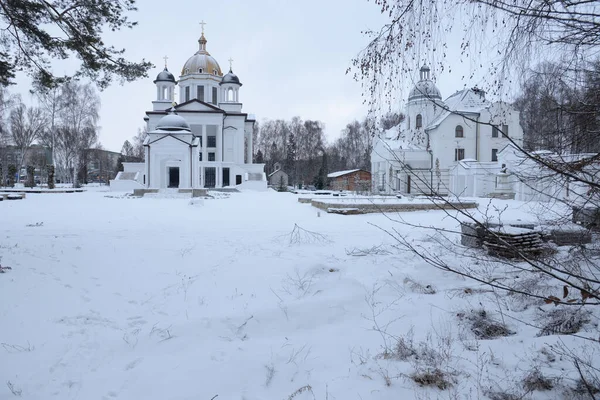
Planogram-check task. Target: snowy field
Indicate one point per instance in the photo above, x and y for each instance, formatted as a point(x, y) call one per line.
point(155, 298)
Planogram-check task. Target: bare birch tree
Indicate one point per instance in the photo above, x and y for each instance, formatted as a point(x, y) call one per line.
point(78, 131)
point(503, 39)
point(26, 125)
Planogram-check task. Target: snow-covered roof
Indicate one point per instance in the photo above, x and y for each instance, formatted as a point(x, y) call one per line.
point(466, 101)
point(401, 144)
point(341, 173)
point(276, 171)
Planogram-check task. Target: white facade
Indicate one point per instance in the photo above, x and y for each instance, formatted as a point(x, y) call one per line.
point(205, 141)
point(421, 155)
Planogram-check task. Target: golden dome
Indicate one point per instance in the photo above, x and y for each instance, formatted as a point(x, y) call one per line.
point(201, 62)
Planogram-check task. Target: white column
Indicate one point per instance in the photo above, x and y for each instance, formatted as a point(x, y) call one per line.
point(219, 155)
point(218, 181)
point(237, 95)
point(203, 149)
point(250, 146)
point(147, 169)
point(158, 92)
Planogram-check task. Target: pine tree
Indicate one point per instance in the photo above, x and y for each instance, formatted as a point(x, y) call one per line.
point(259, 159)
point(290, 159)
point(38, 32)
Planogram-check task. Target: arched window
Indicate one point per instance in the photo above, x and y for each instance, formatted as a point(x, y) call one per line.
point(186, 71)
point(215, 72)
point(458, 132)
point(200, 70)
point(230, 94)
point(419, 123)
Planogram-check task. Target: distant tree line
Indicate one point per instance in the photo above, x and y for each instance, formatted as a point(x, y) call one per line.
point(560, 107)
point(62, 123)
point(302, 150)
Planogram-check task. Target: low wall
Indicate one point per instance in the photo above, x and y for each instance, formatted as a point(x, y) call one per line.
point(253, 185)
point(394, 207)
point(124, 185)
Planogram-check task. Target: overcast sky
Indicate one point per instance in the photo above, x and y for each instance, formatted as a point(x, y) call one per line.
point(291, 57)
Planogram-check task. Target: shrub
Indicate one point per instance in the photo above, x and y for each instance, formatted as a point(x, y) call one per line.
point(563, 321)
point(50, 169)
point(435, 377)
point(483, 326)
point(12, 171)
point(535, 380)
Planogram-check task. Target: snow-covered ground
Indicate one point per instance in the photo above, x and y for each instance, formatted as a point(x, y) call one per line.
point(114, 297)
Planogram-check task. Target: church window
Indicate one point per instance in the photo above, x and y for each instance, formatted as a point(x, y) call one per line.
point(215, 72)
point(200, 70)
point(187, 93)
point(494, 131)
point(214, 95)
point(458, 132)
point(505, 130)
point(494, 154)
point(459, 154)
point(200, 93)
point(230, 94)
point(200, 156)
point(187, 71)
point(419, 121)
point(211, 156)
point(211, 141)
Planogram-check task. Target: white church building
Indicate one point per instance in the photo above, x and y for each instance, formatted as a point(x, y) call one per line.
point(446, 146)
point(204, 140)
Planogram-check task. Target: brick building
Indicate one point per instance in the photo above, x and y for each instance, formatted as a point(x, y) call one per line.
point(356, 180)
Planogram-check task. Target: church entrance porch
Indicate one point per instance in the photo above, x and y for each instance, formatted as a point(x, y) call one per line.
point(173, 177)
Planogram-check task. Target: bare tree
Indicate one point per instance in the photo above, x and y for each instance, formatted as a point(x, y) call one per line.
point(26, 125)
point(50, 101)
point(78, 129)
point(562, 110)
point(138, 144)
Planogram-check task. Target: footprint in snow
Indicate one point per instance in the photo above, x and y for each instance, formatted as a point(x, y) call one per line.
point(133, 364)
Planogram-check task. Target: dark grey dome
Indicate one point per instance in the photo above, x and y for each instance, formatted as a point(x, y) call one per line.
point(173, 122)
point(165, 76)
point(230, 77)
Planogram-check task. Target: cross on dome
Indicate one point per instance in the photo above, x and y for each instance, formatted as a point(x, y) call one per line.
point(202, 23)
point(165, 58)
point(230, 63)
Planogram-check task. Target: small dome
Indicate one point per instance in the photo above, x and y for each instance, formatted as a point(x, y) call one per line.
point(165, 76)
point(230, 77)
point(425, 88)
point(173, 122)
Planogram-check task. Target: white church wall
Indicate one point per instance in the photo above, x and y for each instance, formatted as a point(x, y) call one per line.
point(166, 153)
point(498, 114)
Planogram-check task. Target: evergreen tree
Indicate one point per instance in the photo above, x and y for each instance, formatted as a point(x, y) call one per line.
point(259, 159)
point(290, 159)
point(50, 169)
point(37, 32)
